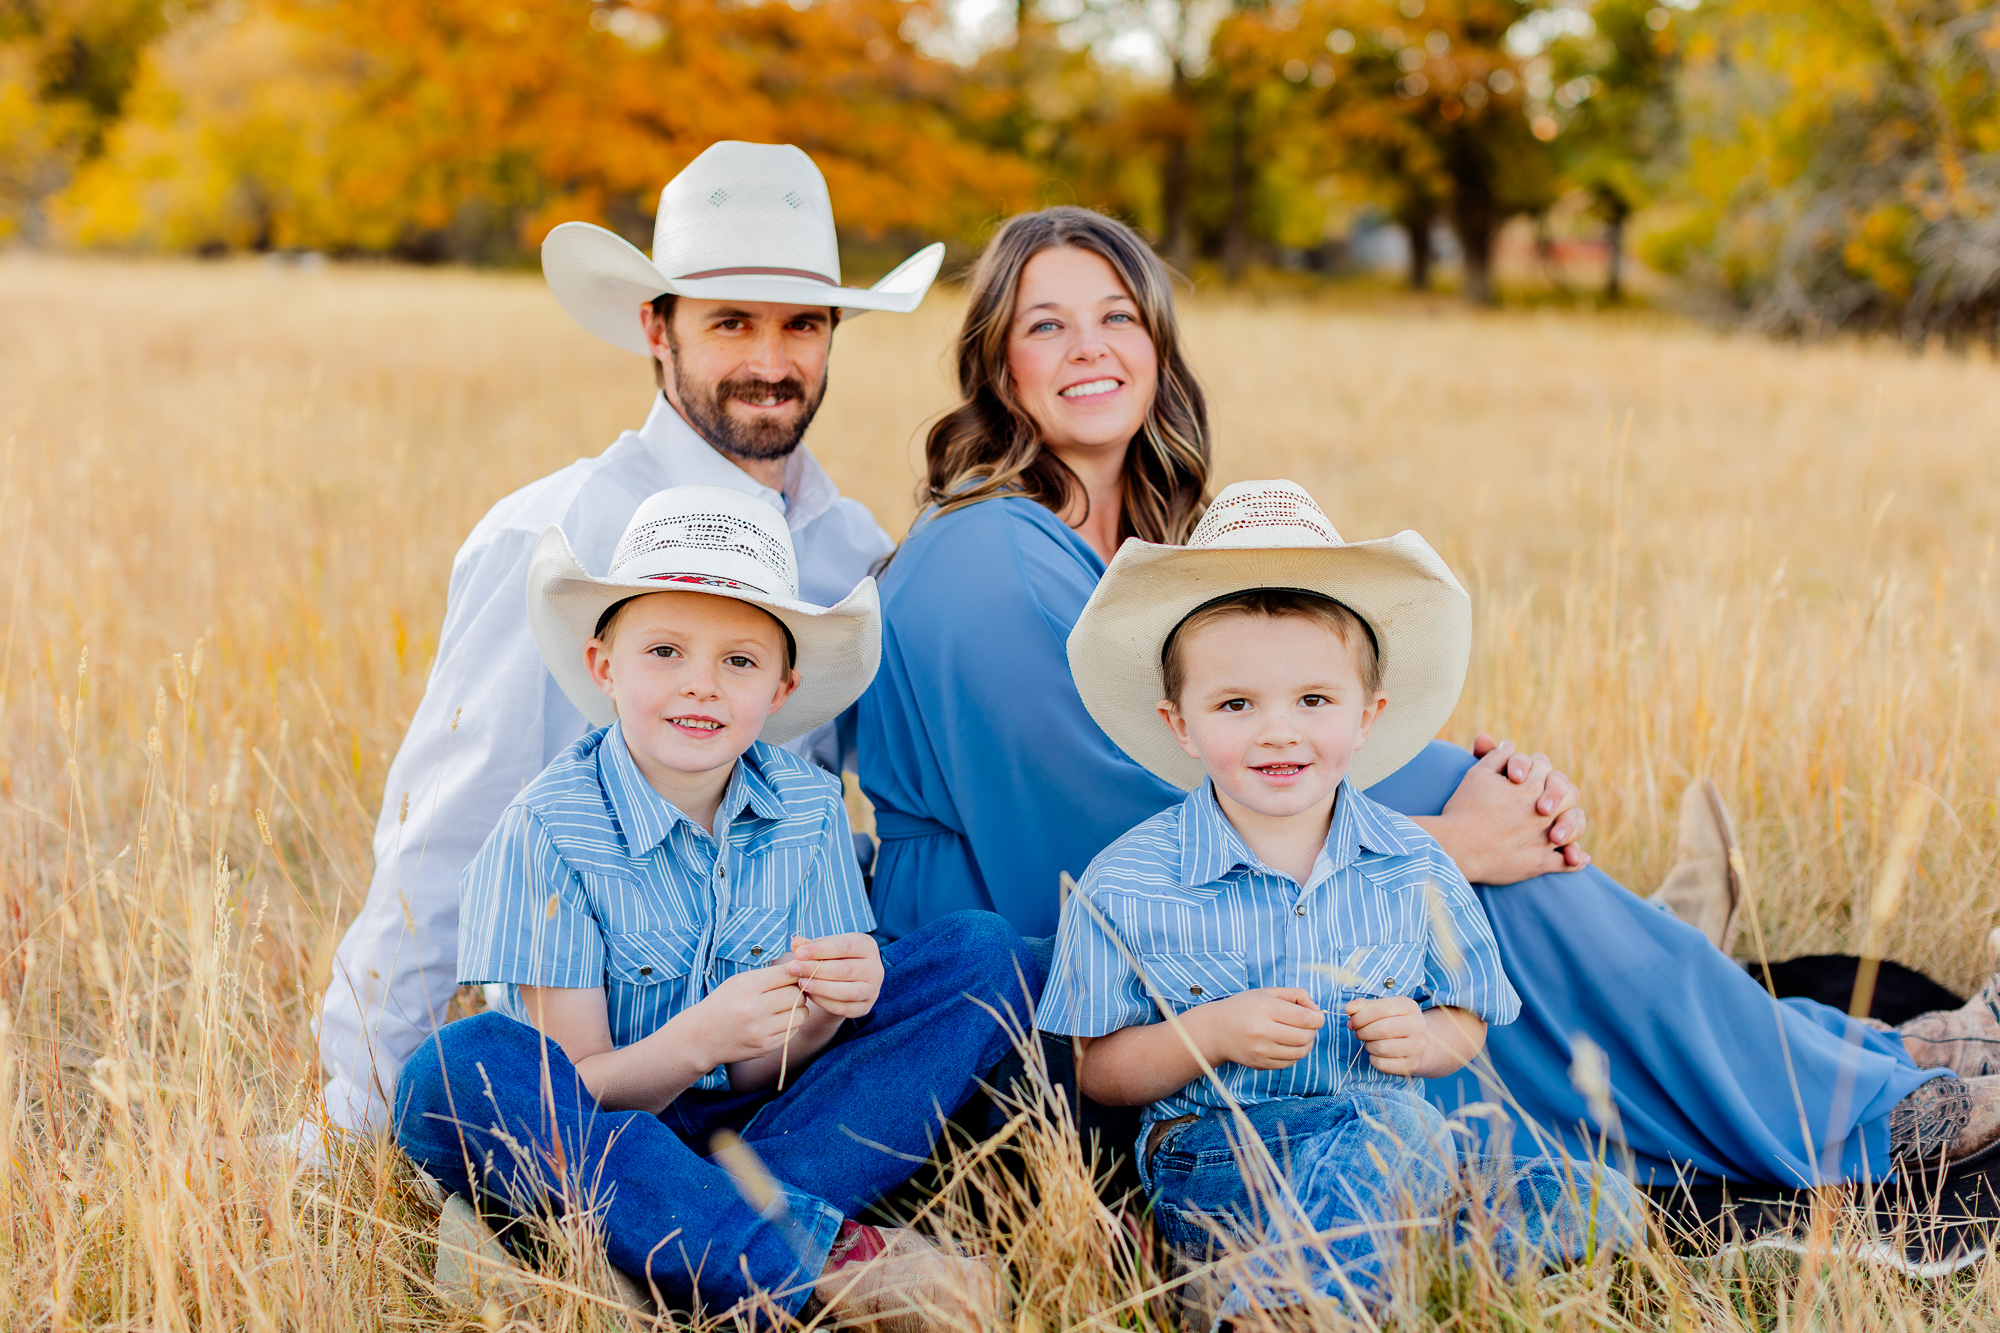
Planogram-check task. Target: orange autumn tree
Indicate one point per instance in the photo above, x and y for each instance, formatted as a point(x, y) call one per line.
point(467, 128)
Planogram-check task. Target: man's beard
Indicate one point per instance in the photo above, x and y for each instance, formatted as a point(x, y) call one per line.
point(707, 409)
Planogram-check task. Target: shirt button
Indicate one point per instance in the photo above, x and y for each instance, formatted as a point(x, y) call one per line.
point(1194, 990)
point(1301, 909)
point(1388, 983)
point(645, 971)
point(756, 951)
point(722, 872)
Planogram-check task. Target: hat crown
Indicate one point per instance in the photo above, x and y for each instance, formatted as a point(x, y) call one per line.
point(747, 208)
point(1264, 514)
point(711, 536)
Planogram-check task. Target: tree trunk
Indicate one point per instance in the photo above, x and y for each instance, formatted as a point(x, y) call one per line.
point(1416, 220)
point(1614, 248)
point(1474, 219)
point(1236, 226)
point(1174, 192)
point(1177, 174)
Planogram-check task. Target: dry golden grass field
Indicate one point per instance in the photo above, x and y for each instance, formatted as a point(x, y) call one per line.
point(229, 496)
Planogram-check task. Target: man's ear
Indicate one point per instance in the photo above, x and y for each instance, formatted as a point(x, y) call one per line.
point(659, 346)
point(1170, 713)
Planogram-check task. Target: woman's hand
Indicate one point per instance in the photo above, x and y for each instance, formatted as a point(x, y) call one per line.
point(1513, 817)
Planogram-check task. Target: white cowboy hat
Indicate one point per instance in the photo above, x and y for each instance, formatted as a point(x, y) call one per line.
point(706, 539)
point(743, 222)
point(1270, 534)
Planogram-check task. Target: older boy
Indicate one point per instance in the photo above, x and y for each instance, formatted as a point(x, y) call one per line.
point(1286, 925)
point(674, 909)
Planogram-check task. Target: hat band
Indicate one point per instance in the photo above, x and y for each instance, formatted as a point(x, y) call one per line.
point(706, 581)
point(758, 273)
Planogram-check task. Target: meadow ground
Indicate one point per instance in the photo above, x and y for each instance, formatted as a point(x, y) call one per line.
point(231, 495)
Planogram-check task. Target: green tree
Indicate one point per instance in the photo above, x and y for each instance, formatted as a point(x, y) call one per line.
point(1428, 104)
point(1615, 110)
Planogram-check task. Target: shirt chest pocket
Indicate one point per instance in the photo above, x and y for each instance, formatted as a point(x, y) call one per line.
point(753, 938)
point(1373, 971)
point(648, 957)
point(1189, 979)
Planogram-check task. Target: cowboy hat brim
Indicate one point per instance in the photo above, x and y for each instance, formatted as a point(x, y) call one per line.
point(602, 279)
point(839, 646)
point(1421, 617)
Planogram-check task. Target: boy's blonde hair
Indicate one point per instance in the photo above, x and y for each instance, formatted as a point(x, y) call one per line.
point(1275, 604)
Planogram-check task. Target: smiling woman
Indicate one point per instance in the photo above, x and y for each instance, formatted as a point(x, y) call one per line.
point(1081, 425)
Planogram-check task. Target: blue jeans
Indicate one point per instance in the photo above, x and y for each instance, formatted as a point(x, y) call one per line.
point(1358, 1170)
point(484, 1104)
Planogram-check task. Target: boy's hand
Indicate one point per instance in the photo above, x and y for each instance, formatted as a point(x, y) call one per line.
point(841, 974)
point(1394, 1032)
point(747, 1015)
point(1259, 1029)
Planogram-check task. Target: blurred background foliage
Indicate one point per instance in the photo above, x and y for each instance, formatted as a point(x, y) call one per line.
point(1806, 165)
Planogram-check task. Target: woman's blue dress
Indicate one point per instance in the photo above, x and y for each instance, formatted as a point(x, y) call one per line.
point(989, 779)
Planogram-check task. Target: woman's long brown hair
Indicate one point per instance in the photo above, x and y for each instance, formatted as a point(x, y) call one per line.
point(988, 445)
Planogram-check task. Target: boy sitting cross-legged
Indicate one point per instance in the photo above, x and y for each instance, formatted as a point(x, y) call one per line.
point(1316, 951)
point(675, 909)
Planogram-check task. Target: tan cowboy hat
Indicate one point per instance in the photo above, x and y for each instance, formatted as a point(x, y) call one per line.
point(1270, 534)
point(743, 222)
point(706, 539)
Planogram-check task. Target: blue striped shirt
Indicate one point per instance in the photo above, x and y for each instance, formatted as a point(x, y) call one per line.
point(592, 878)
point(1206, 919)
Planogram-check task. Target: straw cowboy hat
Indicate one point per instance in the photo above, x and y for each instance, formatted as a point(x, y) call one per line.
point(743, 222)
point(1270, 534)
point(712, 540)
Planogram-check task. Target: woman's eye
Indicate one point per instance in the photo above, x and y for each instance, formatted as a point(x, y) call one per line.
point(1043, 327)
point(1118, 317)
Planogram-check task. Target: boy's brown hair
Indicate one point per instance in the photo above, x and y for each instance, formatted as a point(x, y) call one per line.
point(1276, 604)
point(607, 628)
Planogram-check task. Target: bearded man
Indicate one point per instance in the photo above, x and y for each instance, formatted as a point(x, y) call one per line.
point(736, 310)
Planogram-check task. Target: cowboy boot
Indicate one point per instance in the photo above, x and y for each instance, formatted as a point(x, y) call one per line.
point(893, 1280)
point(1705, 886)
point(1965, 1040)
point(1946, 1121)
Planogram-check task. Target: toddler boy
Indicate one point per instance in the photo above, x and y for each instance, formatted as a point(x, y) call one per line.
point(1317, 953)
point(675, 910)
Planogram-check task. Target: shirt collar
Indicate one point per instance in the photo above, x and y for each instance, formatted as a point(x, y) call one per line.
point(646, 818)
point(692, 461)
point(1211, 847)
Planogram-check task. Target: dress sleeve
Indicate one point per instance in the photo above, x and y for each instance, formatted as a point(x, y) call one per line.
point(980, 623)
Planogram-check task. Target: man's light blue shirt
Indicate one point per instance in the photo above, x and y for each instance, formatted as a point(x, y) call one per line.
point(594, 879)
point(1385, 912)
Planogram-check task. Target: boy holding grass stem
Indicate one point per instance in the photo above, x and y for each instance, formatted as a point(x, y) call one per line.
point(676, 913)
point(1314, 952)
